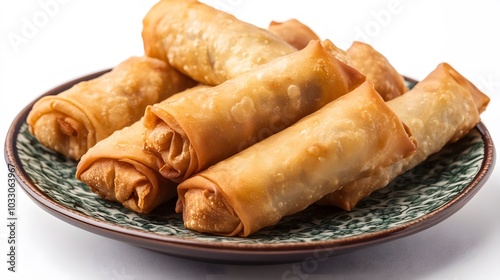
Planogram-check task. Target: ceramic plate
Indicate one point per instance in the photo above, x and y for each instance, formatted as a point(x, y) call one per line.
point(413, 202)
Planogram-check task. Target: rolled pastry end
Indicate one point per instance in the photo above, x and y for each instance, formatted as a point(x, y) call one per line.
point(171, 148)
point(60, 132)
point(377, 68)
point(480, 99)
point(122, 182)
point(207, 211)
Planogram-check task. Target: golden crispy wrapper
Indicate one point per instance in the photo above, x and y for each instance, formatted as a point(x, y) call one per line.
point(118, 169)
point(347, 139)
point(440, 109)
point(207, 44)
point(378, 70)
point(76, 119)
point(191, 133)
point(294, 32)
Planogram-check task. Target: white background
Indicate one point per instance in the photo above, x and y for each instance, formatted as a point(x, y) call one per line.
point(74, 38)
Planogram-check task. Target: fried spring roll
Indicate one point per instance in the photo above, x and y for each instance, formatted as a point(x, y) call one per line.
point(76, 119)
point(440, 109)
point(195, 131)
point(294, 32)
point(387, 81)
point(209, 45)
point(345, 140)
point(118, 169)
point(377, 69)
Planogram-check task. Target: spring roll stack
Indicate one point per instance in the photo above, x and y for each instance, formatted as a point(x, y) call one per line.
point(345, 140)
point(280, 120)
point(196, 131)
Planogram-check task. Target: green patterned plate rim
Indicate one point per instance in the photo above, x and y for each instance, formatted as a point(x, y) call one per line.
point(416, 200)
